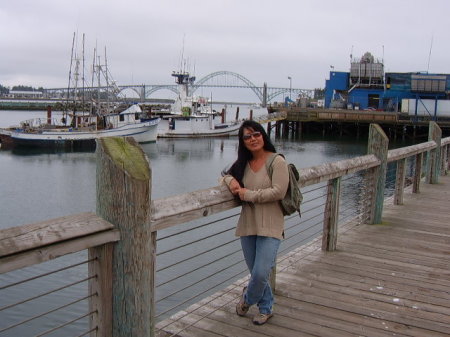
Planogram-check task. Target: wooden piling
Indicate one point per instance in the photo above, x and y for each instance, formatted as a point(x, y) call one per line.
point(223, 115)
point(400, 181)
point(123, 198)
point(434, 156)
point(331, 216)
point(417, 173)
point(444, 159)
point(285, 129)
point(277, 129)
point(49, 114)
point(378, 145)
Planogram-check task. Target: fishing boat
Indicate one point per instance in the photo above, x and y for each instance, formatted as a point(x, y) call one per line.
point(80, 129)
point(193, 117)
point(85, 129)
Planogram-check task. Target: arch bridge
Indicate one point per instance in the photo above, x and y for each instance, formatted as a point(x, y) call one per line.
point(218, 79)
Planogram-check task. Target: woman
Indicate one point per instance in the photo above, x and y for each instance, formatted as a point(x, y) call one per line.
point(261, 223)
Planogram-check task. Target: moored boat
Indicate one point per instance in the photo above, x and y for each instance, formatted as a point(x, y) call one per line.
point(195, 127)
point(80, 129)
point(85, 129)
point(193, 117)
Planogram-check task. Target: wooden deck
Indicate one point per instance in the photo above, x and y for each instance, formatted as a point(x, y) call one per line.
point(384, 280)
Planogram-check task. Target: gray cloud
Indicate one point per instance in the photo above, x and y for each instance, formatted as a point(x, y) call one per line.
point(265, 41)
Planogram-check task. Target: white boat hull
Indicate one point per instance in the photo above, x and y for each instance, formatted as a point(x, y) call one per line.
point(195, 127)
point(143, 132)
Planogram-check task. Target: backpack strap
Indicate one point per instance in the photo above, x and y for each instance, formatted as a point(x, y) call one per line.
point(269, 163)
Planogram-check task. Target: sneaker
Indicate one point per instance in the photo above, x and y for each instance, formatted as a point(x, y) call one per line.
point(261, 319)
point(242, 307)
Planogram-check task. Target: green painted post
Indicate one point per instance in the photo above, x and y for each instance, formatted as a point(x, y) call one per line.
point(378, 145)
point(123, 198)
point(434, 156)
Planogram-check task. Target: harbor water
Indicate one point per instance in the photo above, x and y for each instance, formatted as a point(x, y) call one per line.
point(39, 185)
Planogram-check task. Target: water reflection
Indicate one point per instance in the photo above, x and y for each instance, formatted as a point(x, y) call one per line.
point(36, 151)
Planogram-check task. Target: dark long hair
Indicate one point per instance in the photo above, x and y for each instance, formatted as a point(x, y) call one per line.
point(244, 155)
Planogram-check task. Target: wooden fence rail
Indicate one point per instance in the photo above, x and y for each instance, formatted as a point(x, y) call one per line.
point(121, 237)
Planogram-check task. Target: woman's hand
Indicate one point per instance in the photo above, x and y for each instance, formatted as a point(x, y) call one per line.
point(241, 192)
point(234, 187)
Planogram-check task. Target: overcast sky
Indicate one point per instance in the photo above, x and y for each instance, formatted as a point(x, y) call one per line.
point(264, 41)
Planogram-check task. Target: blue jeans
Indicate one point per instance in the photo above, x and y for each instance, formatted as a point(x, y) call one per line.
point(260, 254)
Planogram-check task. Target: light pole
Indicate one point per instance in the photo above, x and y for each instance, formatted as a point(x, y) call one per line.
point(290, 87)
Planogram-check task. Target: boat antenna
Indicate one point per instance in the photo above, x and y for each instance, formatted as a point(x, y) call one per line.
point(429, 55)
point(70, 78)
point(182, 55)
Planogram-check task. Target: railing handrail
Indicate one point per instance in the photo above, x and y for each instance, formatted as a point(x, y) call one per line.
point(14, 240)
point(30, 244)
point(408, 151)
point(189, 206)
point(198, 204)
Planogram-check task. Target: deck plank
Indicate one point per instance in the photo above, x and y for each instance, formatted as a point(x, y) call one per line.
point(383, 280)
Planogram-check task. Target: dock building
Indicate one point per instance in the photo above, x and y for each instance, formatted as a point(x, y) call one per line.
point(367, 87)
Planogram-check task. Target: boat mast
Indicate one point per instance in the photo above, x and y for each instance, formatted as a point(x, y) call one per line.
point(65, 114)
point(98, 86)
point(107, 84)
point(76, 76)
point(92, 81)
point(83, 79)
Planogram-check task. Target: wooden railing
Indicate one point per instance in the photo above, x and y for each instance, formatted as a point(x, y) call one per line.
point(36, 243)
point(121, 237)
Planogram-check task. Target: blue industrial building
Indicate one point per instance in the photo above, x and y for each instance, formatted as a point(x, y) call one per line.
point(366, 86)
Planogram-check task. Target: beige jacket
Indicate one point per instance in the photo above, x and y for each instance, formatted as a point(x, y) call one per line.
point(261, 211)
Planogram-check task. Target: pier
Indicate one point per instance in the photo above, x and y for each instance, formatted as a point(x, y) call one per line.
point(376, 267)
point(352, 122)
point(390, 279)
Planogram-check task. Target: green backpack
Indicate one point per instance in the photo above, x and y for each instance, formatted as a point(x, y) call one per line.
point(293, 198)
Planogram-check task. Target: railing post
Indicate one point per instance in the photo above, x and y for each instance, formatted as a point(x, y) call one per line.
point(399, 182)
point(378, 145)
point(123, 198)
point(366, 196)
point(331, 216)
point(444, 159)
point(448, 156)
point(417, 173)
point(101, 285)
point(434, 156)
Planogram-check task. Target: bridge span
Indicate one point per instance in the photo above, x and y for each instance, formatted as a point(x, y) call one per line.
point(219, 79)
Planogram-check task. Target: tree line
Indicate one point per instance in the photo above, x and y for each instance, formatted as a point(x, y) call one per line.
point(5, 90)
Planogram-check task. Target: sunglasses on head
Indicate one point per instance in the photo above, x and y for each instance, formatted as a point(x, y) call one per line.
point(255, 134)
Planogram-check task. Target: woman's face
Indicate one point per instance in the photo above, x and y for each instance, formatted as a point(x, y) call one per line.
point(253, 140)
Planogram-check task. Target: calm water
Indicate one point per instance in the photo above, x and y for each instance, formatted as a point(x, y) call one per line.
point(38, 185)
